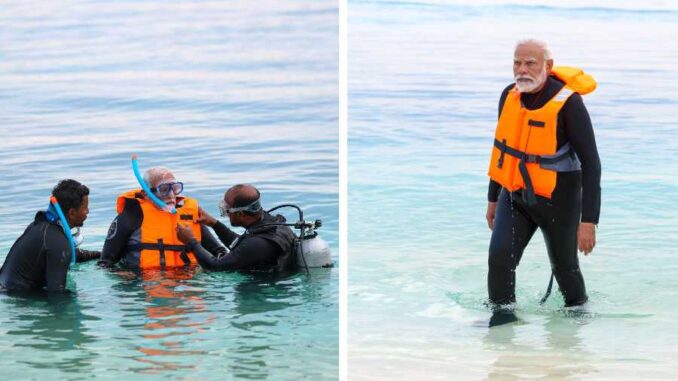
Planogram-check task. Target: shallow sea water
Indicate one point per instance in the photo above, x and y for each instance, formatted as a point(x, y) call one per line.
point(424, 81)
point(219, 92)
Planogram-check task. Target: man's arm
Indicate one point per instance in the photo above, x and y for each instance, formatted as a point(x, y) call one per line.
point(119, 232)
point(86, 255)
point(226, 235)
point(57, 257)
point(209, 243)
point(252, 253)
point(579, 131)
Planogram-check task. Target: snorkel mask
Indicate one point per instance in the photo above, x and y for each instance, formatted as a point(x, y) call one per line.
point(252, 207)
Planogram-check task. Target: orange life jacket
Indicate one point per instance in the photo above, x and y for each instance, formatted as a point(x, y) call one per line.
point(525, 155)
point(159, 245)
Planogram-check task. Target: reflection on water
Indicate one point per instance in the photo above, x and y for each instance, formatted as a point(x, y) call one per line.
point(173, 314)
point(176, 321)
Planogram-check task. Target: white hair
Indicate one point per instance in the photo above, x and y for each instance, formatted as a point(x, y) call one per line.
point(541, 44)
point(153, 175)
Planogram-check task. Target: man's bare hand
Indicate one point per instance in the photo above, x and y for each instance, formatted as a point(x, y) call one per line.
point(205, 218)
point(184, 233)
point(586, 237)
point(491, 209)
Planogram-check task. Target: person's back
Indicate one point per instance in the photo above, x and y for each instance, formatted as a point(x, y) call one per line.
point(39, 258)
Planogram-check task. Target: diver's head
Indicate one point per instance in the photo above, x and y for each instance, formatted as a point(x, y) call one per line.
point(73, 198)
point(532, 63)
point(164, 185)
point(242, 205)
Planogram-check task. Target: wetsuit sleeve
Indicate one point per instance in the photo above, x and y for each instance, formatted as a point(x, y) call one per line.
point(86, 255)
point(119, 232)
point(226, 235)
point(209, 243)
point(494, 187)
point(246, 256)
point(579, 131)
point(493, 191)
point(58, 257)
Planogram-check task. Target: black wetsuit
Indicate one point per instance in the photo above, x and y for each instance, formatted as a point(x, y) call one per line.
point(576, 194)
point(260, 248)
point(40, 258)
point(128, 224)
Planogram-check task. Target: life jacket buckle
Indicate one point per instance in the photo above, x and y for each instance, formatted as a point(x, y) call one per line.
point(500, 162)
point(530, 158)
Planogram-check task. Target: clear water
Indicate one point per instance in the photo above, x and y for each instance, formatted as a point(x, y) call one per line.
point(424, 81)
point(221, 93)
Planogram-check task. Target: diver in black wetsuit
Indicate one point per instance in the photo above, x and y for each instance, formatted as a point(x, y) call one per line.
point(568, 219)
point(260, 248)
point(40, 258)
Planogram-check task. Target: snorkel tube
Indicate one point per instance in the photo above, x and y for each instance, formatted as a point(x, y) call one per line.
point(65, 226)
point(144, 186)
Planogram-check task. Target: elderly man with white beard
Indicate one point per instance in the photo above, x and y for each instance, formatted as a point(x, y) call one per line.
point(143, 235)
point(544, 173)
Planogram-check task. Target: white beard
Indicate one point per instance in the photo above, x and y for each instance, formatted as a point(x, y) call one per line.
point(527, 84)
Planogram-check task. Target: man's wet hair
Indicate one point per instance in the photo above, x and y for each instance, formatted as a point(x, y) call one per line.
point(241, 197)
point(70, 194)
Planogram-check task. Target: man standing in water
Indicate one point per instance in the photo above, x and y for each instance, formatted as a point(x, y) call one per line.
point(545, 173)
point(40, 258)
point(264, 246)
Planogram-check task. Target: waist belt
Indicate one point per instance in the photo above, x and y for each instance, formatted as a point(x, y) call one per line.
point(564, 154)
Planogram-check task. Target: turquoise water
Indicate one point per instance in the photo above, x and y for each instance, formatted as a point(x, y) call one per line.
point(221, 93)
point(424, 81)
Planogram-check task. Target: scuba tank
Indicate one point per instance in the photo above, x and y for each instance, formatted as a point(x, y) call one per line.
point(311, 250)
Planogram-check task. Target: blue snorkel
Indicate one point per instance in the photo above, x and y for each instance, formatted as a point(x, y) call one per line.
point(65, 226)
point(146, 189)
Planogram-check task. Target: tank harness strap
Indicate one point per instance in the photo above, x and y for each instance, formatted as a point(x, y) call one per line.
point(529, 196)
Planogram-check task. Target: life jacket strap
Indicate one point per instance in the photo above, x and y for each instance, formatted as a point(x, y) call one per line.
point(565, 153)
point(503, 148)
point(161, 249)
point(155, 246)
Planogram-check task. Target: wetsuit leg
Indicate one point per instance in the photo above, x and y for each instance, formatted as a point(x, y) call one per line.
point(559, 226)
point(512, 231)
